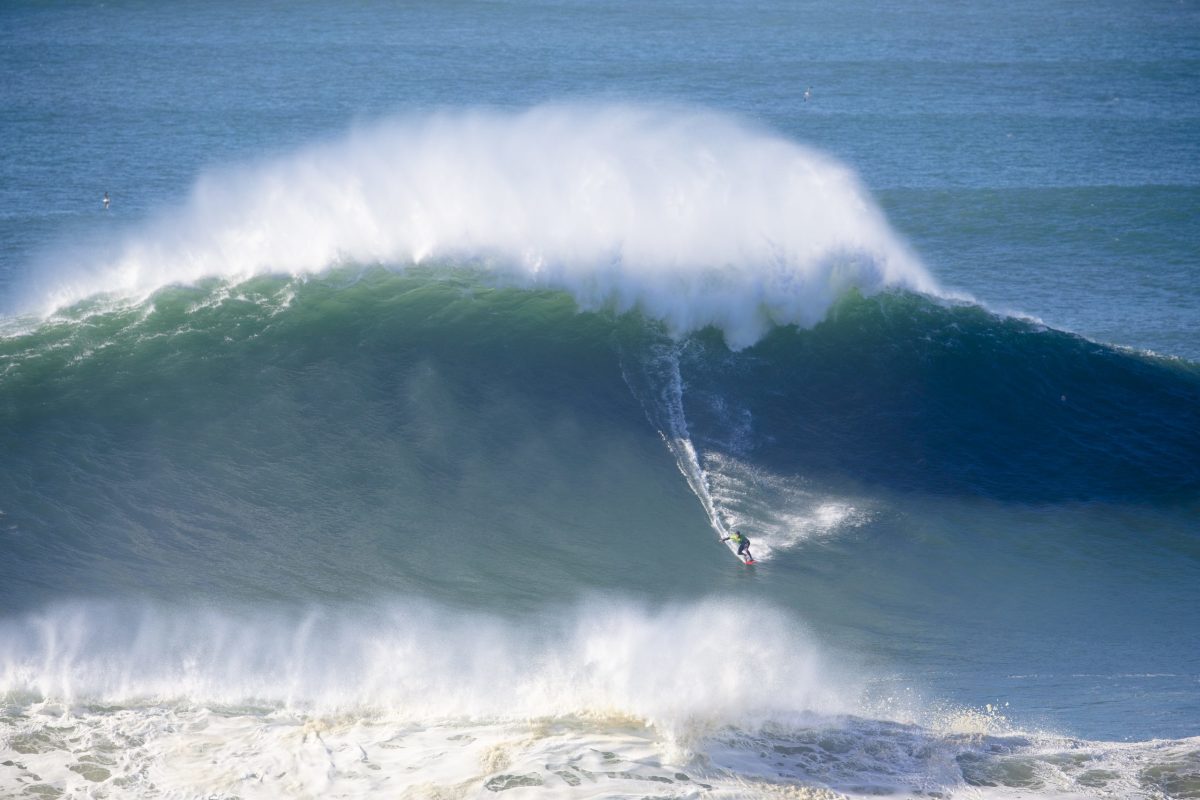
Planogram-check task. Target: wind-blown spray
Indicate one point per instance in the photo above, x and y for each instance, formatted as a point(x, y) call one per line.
point(694, 218)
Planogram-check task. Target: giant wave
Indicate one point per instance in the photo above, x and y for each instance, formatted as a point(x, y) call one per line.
point(262, 424)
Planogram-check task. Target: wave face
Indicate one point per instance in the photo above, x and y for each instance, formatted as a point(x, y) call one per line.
point(693, 217)
point(217, 432)
point(912, 394)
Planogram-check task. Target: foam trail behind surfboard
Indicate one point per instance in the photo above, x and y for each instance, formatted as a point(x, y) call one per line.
point(660, 390)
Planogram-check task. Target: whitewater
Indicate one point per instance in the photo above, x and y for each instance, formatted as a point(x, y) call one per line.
point(379, 440)
point(694, 218)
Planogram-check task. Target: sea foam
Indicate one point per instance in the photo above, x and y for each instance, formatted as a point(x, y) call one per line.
point(693, 217)
point(599, 700)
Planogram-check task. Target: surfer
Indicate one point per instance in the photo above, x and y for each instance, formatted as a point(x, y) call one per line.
point(106, 201)
point(807, 94)
point(743, 545)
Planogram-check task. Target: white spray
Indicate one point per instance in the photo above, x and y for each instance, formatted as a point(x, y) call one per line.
point(693, 217)
point(672, 667)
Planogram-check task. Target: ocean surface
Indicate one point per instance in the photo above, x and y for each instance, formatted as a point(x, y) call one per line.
point(378, 439)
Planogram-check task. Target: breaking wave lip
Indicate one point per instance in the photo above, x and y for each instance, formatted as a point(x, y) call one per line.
point(696, 218)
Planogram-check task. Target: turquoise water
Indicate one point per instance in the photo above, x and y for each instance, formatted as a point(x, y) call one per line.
point(399, 400)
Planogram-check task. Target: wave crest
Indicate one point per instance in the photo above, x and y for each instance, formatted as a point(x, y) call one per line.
point(694, 218)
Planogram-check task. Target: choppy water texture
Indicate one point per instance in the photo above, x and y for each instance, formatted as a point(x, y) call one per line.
point(379, 439)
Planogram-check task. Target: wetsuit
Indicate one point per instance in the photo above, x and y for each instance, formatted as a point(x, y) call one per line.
point(743, 544)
